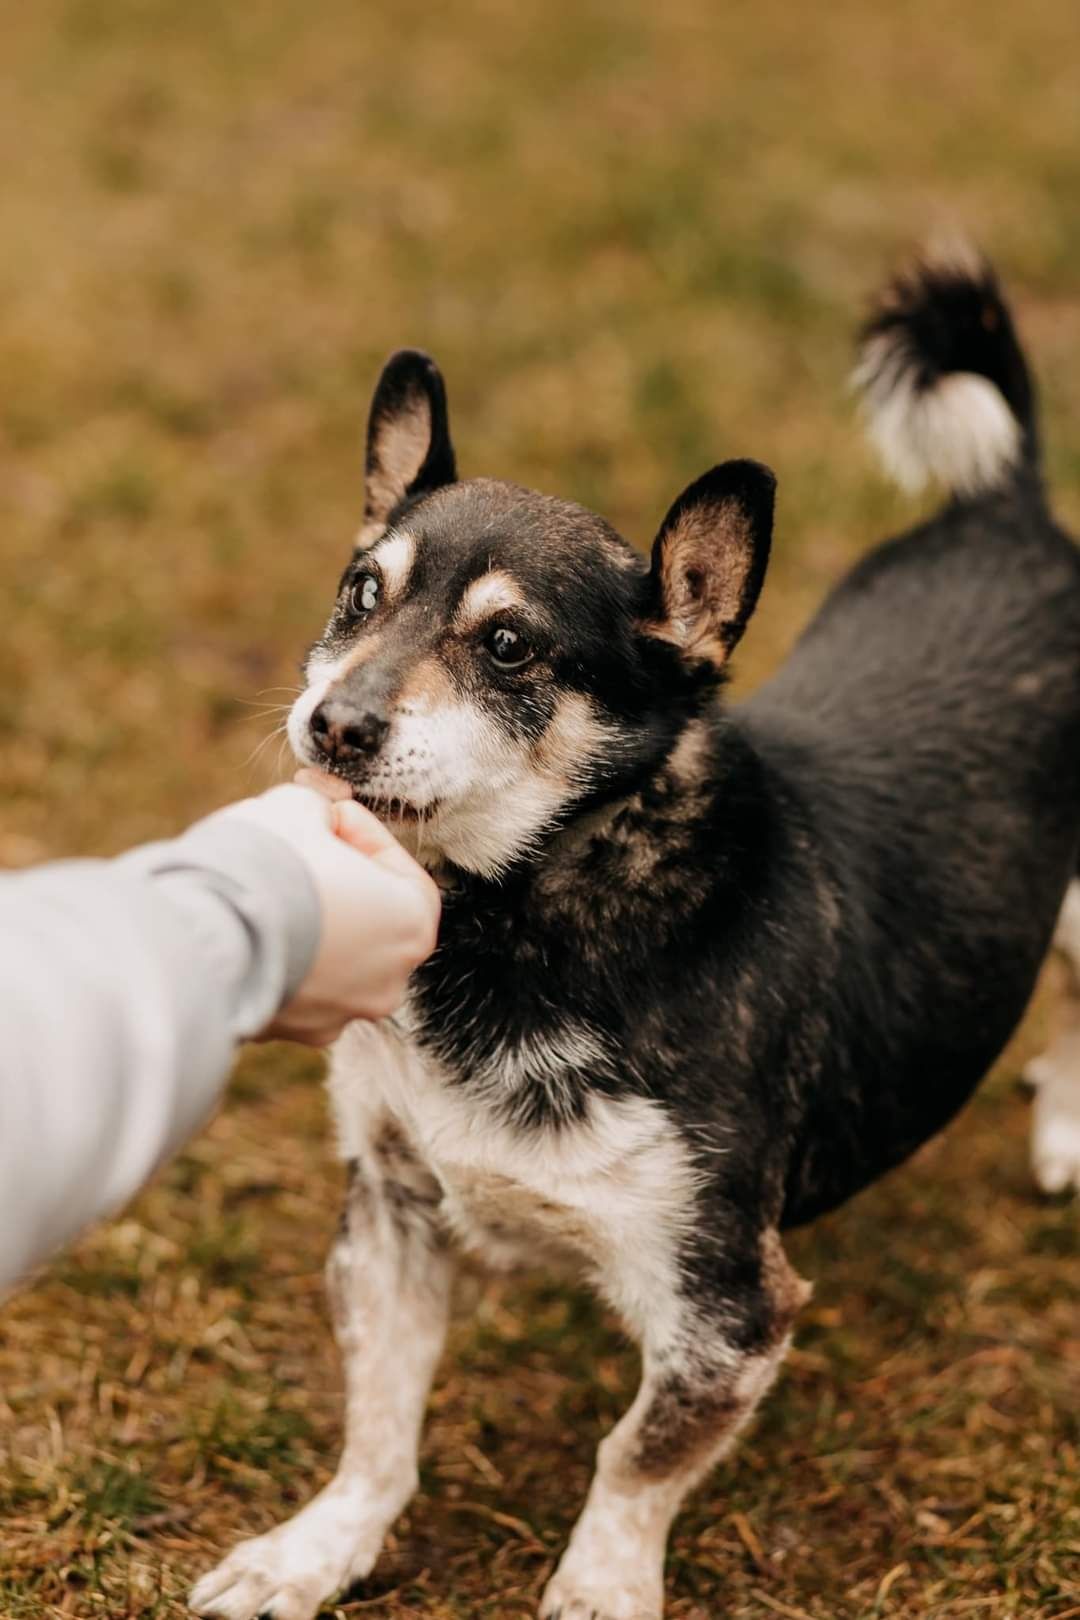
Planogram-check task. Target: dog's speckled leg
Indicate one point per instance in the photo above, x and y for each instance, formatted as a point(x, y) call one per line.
point(696, 1394)
point(388, 1278)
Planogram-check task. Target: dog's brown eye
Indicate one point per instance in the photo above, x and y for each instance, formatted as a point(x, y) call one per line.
point(507, 648)
point(364, 594)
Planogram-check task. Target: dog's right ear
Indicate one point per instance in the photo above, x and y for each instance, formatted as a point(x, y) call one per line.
point(408, 438)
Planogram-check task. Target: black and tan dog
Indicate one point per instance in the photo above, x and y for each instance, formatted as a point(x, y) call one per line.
point(704, 972)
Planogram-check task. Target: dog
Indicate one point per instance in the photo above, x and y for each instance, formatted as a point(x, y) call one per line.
point(704, 970)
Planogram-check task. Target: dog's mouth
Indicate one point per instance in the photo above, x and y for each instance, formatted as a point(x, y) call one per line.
point(390, 809)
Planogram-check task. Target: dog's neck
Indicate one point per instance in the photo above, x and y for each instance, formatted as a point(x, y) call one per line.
point(629, 891)
point(688, 825)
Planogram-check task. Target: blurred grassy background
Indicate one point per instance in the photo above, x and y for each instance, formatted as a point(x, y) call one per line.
point(636, 238)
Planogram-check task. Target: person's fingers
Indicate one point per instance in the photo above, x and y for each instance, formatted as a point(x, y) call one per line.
point(361, 830)
point(353, 822)
point(331, 787)
point(357, 826)
point(364, 832)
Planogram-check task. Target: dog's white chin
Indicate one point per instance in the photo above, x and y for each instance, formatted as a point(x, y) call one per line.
point(474, 835)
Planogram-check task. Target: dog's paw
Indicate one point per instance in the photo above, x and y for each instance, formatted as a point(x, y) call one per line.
point(236, 1590)
point(1055, 1132)
point(1055, 1152)
point(287, 1574)
point(254, 1582)
point(607, 1600)
point(585, 1608)
point(1038, 1071)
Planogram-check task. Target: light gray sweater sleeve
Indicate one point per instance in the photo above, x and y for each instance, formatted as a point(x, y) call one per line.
point(124, 987)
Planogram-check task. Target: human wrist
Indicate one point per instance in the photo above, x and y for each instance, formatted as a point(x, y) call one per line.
point(269, 890)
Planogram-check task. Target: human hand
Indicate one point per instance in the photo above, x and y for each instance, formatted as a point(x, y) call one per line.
point(379, 911)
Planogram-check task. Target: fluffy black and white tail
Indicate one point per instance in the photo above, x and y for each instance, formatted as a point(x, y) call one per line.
point(946, 391)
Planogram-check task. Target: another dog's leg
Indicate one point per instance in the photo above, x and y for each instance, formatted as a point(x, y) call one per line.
point(1055, 1132)
point(388, 1278)
point(700, 1384)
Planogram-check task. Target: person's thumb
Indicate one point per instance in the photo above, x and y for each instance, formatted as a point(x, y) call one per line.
point(359, 829)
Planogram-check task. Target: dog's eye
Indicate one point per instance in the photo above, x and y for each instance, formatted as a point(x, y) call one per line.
point(364, 594)
point(507, 648)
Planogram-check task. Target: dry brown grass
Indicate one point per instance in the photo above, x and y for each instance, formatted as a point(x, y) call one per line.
point(635, 237)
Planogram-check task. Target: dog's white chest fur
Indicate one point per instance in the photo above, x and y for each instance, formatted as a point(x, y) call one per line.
point(574, 1192)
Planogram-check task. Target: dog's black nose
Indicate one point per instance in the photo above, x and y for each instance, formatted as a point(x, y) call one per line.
point(340, 732)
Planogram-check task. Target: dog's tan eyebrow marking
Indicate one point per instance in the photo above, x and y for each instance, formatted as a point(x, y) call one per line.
point(332, 670)
point(489, 594)
point(395, 556)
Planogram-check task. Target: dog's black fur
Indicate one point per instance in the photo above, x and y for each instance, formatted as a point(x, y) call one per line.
point(847, 908)
point(799, 929)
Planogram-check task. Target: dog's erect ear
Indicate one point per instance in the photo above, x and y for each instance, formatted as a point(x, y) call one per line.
point(709, 558)
point(408, 438)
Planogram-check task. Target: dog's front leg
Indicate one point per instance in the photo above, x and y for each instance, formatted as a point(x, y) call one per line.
point(388, 1278)
point(701, 1380)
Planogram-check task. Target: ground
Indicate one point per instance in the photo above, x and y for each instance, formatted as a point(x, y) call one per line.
point(637, 238)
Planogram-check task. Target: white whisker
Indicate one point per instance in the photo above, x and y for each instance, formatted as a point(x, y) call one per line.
point(257, 750)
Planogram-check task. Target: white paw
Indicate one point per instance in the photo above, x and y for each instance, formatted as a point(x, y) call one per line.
point(1055, 1131)
point(567, 1599)
point(1055, 1150)
point(1038, 1071)
point(289, 1573)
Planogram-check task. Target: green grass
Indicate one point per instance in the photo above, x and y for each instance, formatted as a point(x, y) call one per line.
point(637, 239)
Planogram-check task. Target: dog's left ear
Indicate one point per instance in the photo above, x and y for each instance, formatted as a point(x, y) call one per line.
point(408, 438)
point(709, 558)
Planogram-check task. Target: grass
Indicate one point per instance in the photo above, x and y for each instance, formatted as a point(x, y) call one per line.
point(637, 239)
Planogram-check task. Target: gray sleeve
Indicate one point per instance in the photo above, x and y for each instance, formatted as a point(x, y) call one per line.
point(124, 986)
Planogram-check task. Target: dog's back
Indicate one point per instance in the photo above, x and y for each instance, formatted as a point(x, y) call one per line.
point(929, 720)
